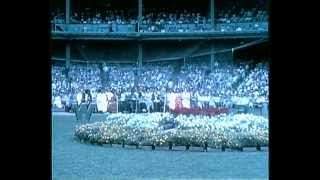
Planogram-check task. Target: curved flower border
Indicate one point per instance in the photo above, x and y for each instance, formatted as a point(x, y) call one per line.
point(240, 130)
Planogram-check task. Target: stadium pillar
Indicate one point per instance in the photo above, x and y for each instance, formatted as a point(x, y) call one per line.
point(212, 57)
point(68, 57)
point(140, 4)
point(212, 12)
point(68, 11)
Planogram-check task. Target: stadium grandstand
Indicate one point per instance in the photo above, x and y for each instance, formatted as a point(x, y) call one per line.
point(145, 55)
point(174, 75)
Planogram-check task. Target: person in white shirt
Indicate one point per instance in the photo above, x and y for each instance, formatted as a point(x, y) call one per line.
point(101, 101)
point(149, 101)
point(57, 102)
point(79, 98)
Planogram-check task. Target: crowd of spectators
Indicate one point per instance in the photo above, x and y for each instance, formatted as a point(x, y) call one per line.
point(255, 84)
point(250, 19)
point(59, 81)
point(122, 78)
point(190, 77)
point(224, 81)
point(184, 20)
point(122, 16)
point(242, 16)
point(219, 82)
point(57, 17)
point(85, 77)
point(155, 77)
point(88, 16)
point(67, 83)
point(176, 21)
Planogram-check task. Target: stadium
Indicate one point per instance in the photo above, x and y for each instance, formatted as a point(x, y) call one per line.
point(160, 89)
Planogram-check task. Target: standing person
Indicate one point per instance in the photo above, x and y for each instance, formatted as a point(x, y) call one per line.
point(67, 102)
point(163, 100)
point(63, 101)
point(148, 101)
point(98, 101)
point(250, 105)
point(83, 97)
point(57, 102)
point(153, 102)
point(132, 101)
point(199, 100)
point(79, 98)
point(122, 101)
point(136, 100)
point(157, 103)
point(193, 100)
point(104, 101)
point(88, 96)
point(139, 102)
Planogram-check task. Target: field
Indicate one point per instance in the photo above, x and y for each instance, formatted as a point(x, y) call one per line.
point(74, 160)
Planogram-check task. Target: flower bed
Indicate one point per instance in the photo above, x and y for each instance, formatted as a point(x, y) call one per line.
point(241, 130)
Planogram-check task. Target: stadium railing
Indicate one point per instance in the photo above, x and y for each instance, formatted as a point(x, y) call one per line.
point(177, 28)
point(92, 28)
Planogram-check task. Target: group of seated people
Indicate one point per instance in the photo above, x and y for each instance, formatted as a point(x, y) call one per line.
point(241, 20)
point(155, 20)
point(84, 77)
point(123, 16)
point(175, 21)
point(152, 83)
point(248, 15)
point(59, 81)
point(255, 83)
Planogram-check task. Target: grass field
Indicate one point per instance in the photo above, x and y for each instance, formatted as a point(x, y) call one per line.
point(74, 160)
